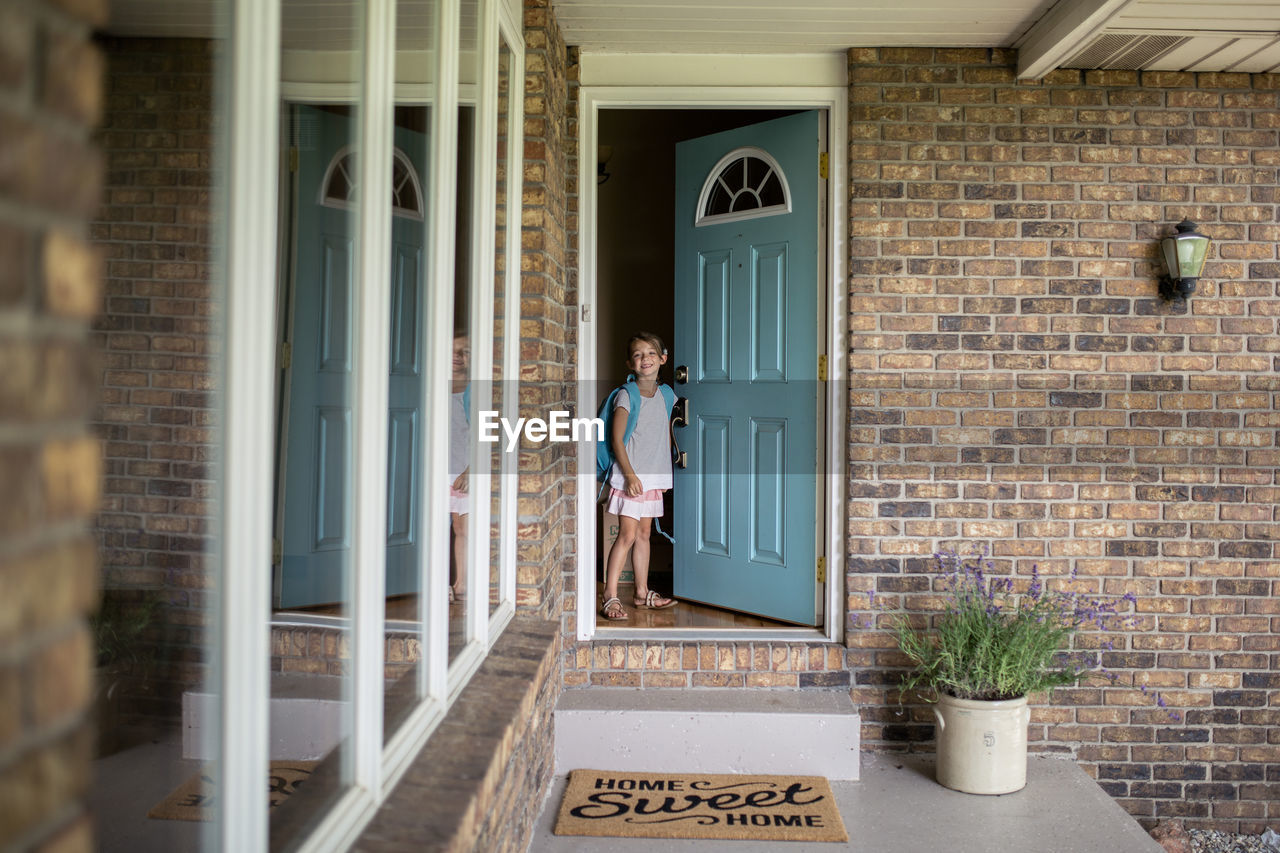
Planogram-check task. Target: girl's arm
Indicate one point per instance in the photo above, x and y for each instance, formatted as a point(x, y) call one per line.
point(617, 433)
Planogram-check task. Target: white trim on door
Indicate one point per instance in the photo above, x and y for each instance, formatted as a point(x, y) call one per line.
point(717, 76)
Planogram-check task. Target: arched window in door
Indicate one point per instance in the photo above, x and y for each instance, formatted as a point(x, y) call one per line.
point(747, 183)
point(339, 186)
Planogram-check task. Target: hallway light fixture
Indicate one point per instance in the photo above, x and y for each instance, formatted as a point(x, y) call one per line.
point(1184, 256)
point(602, 160)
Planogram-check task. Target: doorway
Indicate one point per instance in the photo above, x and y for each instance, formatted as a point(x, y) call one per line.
point(634, 254)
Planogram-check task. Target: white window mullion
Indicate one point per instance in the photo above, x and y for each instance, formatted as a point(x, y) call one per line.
point(511, 34)
point(439, 323)
point(370, 398)
point(242, 660)
point(483, 189)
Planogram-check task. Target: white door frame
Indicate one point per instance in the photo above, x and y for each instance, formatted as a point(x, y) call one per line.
point(633, 81)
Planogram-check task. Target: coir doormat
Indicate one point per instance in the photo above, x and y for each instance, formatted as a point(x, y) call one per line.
point(699, 805)
point(194, 798)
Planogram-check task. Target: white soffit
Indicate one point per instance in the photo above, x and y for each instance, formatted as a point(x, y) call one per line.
point(713, 70)
point(1175, 35)
point(791, 26)
point(1158, 35)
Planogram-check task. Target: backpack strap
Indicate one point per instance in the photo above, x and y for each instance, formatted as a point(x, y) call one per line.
point(669, 397)
point(633, 411)
point(604, 455)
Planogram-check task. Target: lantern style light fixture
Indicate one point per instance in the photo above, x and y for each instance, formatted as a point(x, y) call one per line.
point(602, 162)
point(1184, 256)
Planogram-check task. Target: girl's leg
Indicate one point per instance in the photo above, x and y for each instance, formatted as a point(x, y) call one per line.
point(640, 563)
point(627, 527)
point(460, 554)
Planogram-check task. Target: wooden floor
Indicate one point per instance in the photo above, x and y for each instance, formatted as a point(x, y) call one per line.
point(686, 614)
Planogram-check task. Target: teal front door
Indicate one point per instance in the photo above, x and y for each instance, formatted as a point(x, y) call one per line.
point(747, 279)
point(318, 452)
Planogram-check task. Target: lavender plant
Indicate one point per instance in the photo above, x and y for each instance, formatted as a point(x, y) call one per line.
point(994, 643)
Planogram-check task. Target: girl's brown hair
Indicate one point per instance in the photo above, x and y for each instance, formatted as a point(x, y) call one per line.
point(649, 338)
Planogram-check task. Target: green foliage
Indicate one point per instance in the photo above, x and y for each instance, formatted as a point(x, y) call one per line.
point(121, 628)
point(991, 643)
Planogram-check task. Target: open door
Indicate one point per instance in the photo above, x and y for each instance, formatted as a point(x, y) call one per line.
point(747, 281)
point(317, 473)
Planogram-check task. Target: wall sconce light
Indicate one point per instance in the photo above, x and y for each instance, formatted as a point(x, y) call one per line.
point(602, 160)
point(1184, 256)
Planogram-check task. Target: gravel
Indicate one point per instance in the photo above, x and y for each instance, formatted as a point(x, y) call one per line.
point(1212, 841)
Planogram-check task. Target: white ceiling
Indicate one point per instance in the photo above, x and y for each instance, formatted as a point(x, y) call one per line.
point(1176, 35)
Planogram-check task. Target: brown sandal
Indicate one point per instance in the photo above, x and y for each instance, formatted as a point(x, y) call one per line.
point(651, 600)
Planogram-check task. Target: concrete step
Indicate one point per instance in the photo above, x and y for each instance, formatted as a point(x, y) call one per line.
point(815, 733)
point(306, 714)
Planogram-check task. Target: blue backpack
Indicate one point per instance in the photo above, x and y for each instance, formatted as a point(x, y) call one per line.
point(604, 452)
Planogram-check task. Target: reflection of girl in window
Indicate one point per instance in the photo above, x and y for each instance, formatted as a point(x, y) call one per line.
point(459, 438)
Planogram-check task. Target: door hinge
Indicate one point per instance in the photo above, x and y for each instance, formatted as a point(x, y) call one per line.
point(293, 158)
point(823, 164)
point(286, 355)
point(822, 570)
point(277, 552)
point(822, 368)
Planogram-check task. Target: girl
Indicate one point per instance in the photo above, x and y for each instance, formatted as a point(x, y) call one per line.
point(459, 437)
point(641, 473)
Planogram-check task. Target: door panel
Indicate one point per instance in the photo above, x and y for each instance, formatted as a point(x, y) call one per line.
point(713, 485)
point(713, 317)
point(768, 515)
point(404, 402)
point(746, 327)
point(318, 451)
point(769, 313)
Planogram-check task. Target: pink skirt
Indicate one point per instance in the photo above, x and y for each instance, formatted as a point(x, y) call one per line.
point(646, 505)
point(459, 501)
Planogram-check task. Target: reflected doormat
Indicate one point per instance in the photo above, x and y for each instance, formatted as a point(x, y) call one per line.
point(699, 805)
point(194, 798)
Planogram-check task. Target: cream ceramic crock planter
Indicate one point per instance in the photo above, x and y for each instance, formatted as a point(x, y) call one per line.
point(982, 746)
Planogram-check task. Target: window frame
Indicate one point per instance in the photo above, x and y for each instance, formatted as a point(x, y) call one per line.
point(252, 99)
point(702, 218)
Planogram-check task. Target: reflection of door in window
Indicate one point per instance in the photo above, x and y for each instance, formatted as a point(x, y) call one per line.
point(317, 472)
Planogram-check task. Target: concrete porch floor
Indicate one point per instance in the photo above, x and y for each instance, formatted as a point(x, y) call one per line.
point(897, 807)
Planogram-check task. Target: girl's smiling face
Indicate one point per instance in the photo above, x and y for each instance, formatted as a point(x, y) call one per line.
point(461, 356)
point(645, 359)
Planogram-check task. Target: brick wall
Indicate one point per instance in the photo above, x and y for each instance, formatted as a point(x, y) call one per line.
point(546, 501)
point(50, 179)
point(1015, 382)
point(156, 413)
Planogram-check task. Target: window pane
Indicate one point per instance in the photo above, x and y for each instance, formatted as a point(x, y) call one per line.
point(153, 634)
point(771, 193)
point(757, 170)
point(719, 201)
point(311, 666)
point(468, 392)
point(408, 543)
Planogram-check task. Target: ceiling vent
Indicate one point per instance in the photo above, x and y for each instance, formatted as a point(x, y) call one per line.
point(1124, 51)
